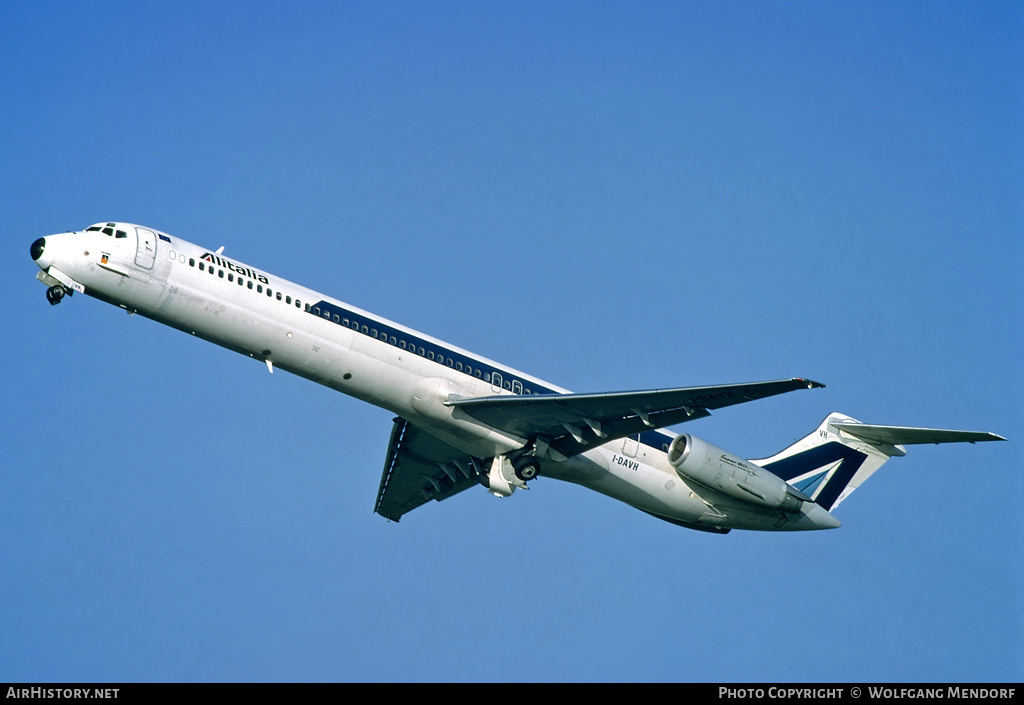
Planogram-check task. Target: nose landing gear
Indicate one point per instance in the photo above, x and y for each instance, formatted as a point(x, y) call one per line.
point(55, 294)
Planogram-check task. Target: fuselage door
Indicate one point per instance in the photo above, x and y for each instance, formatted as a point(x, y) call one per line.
point(145, 255)
point(630, 445)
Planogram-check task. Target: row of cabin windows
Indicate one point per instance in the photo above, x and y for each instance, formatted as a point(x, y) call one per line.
point(510, 385)
point(242, 281)
point(440, 358)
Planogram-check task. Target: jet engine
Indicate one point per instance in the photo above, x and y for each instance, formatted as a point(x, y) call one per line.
point(699, 461)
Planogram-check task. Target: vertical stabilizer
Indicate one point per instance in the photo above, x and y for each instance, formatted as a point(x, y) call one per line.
point(828, 465)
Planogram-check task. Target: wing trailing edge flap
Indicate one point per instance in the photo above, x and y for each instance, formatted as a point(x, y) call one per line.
point(573, 423)
point(419, 468)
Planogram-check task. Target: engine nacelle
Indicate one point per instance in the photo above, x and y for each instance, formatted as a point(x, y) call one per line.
point(703, 463)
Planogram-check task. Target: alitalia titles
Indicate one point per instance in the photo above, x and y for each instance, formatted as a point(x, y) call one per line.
point(236, 268)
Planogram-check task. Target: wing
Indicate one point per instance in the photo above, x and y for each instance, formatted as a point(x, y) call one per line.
point(572, 423)
point(421, 467)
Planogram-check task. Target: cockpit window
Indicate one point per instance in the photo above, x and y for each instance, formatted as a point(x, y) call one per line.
point(108, 230)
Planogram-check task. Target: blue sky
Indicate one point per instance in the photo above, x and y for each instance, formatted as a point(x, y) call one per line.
point(608, 195)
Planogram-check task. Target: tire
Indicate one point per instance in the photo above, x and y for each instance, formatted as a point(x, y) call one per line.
point(527, 468)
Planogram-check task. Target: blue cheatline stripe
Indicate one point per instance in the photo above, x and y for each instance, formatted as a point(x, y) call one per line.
point(428, 350)
point(454, 360)
point(819, 457)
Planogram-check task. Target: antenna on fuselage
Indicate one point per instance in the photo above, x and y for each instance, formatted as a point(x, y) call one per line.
point(220, 250)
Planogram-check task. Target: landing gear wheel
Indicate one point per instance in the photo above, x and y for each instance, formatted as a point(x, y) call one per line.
point(527, 468)
point(54, 295)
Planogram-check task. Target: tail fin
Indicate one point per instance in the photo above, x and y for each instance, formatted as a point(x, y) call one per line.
point(842, 453)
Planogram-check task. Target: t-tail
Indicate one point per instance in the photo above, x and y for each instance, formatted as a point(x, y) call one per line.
point(829, 464)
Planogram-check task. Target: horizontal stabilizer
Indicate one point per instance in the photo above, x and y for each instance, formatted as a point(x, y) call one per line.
point(908, 435)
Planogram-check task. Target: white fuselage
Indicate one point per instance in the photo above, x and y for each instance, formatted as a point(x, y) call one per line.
point(312, 335)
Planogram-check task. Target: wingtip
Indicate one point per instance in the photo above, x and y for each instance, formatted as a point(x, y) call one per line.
point(811, 384)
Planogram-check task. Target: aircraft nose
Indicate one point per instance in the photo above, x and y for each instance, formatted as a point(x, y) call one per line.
point(37, 248)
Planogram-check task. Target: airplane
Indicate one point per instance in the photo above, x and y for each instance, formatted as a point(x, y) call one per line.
point(463, 420)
